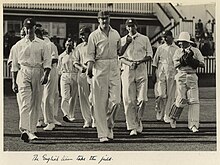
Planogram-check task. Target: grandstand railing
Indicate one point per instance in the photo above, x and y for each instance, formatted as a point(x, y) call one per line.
point(176, 28)
point(112, 7)
point(210, 67)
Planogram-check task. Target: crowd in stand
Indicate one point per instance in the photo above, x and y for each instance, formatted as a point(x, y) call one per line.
point(204, 37)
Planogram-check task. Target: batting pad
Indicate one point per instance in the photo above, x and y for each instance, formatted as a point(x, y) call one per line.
point(175, 112)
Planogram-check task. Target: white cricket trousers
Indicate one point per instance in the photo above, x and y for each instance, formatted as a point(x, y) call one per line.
point(50, 96)
point(106, 95)
point(134, 91)
point(30, 93)
point(69, 93)
point(84, 92)
point(165, 88)
point(187, 88)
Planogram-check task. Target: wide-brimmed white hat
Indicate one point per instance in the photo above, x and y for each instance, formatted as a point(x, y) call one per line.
point(184, 36)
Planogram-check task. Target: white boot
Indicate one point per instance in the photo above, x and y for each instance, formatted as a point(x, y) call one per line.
point(49, 127)
point(133, 132)
point(103, 139)
point(173, 123)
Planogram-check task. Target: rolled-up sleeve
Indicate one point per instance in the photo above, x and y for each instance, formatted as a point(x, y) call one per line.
point(59, 64)
point(46, 57)
point(176, 58)
point(15, 65)
point(156, 58)
point(12, 53)
point(76, 57)
point(54, 51)
point(149, 48)
point(91, 49)
point(119, 45)
point(123, 41)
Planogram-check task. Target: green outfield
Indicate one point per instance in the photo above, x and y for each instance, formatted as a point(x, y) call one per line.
point(157, 136)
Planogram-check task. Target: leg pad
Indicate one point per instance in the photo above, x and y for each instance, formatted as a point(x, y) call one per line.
point(175, 112)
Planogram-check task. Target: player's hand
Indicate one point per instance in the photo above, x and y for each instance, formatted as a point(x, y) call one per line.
point(128, 39)
point(83, 70)
point(15, 87)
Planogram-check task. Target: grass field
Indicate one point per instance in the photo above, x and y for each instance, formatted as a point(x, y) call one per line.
point(157, 136)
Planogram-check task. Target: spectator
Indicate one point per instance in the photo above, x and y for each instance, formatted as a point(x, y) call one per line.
point(205, 47)
point(199, 29)
point(208, 27)
point(213, 25)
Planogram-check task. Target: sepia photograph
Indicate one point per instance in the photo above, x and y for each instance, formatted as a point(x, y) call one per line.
point(109, 83)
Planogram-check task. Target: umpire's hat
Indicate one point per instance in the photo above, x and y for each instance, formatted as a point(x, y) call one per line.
point(184, 36)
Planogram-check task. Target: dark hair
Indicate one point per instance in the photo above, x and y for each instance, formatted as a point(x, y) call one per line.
point(39, 33)
point(38, 25)
point(84, 30)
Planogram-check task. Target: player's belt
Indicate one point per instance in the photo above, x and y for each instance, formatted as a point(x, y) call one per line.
point(132, 60)
point(31, 66)
point(188, 72)
point(69, 72)
point(115, 58)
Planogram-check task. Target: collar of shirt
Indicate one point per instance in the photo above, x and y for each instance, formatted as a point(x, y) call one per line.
point(182, 50)
point(100, 30)
point(66, 54)
point(46, 39)
point(172, 45)
point(85, 43)
point(35, 39)
point(135, 35)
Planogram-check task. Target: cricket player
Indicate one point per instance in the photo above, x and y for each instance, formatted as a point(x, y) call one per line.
point(136, 51)
point(102, 59)
point(83, 85)
point(163, 72)
point(186, 60)
point(30, 70)
point(54, 77)
point(50, 94)
point(68, 82)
